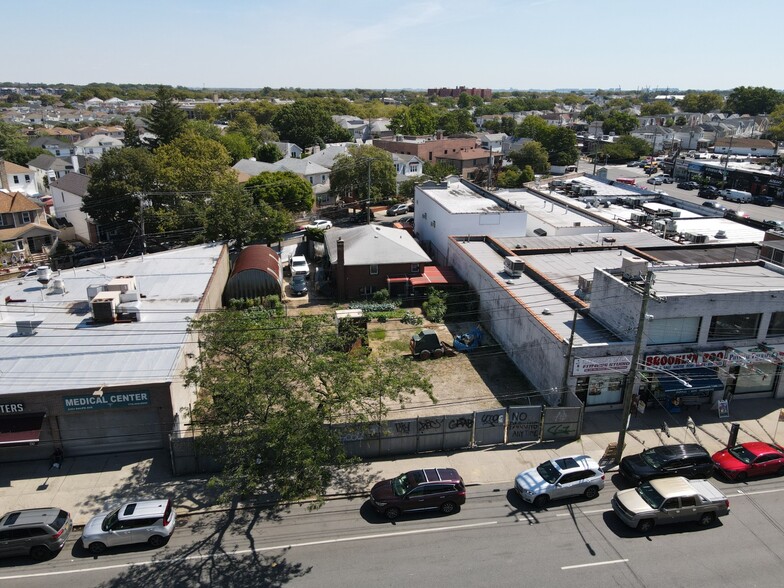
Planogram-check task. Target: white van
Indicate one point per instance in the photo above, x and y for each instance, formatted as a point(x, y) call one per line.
point(736, 195)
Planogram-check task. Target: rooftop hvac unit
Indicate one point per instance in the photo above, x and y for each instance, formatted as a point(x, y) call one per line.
point(103, 306)
point(540, 232)
point(514, 266)
point(585, 284)
point(122, 284)
point(699, 239)
point(94, 289)
point(675, 213)
point(721, 235)
point(130, 311)
point(26, 327)
point(634, 267)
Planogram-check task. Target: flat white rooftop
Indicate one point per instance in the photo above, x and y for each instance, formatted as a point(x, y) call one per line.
point(556, 214)
point(721, 280)
point(68, 351)
point(457, 198)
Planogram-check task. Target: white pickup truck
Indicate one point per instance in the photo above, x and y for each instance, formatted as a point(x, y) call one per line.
point(666, 501)
point(299, 266)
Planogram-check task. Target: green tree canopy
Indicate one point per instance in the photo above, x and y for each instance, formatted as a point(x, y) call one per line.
point(592, 113)
point(419, 119)
point(624, 148)
point(166, 119)
point(307, 123)
point(514, 177)
point(753, 100)
point(282, 190)
point(115, 179)
point(349, 178)
point(533, 127)
point(701, 102)
point(619, 122)
point(454, 122)
point(237, 145)
point(532, 154)
point(269, 153)
point(14, 147)
point(270, 386)
point(131, 136)
point(655, 108)
point(437, 171)
point(561, 145)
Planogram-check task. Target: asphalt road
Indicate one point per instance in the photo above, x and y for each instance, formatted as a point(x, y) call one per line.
point(494, 540)
point(621, 171)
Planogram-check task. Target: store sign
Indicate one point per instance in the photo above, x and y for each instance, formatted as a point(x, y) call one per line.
point(584, 366)
point(685, 360)
point(747, 355)
point(11, 408)
point(108, 400)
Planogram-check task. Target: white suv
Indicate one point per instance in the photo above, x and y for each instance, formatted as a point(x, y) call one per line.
point(144, 521)
point(562, 477)
point(299, 266)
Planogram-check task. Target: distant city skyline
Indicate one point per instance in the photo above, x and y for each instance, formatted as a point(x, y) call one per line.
point(409, 44)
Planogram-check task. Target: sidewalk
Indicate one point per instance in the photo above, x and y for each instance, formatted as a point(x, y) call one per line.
point(87, 485)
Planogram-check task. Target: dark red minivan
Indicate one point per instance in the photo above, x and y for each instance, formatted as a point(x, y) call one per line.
point(436, 488)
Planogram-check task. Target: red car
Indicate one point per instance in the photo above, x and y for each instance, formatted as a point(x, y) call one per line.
point(750, 459)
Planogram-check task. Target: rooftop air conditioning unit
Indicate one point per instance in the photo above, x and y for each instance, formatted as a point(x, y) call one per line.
point(675, 213)
point(27, 327)
point(699, 239)
point(103, 306)
point(122, 284)
point(514, 266)
point(540, 232)
point(634, 267)
point(585, 284)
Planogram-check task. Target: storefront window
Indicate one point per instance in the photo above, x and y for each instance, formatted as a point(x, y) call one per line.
point(733, 326)
point(759, 377)
point(673, 330)
point(600, 389)
point(776, 327)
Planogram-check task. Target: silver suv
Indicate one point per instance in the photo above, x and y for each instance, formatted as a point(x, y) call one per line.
point(562, 477)
point(37, 532)
point(145, 521)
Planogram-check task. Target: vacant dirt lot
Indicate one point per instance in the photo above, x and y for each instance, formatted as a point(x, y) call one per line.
point(482, 379)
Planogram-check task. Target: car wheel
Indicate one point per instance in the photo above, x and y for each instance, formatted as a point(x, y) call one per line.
point(541, 501)
point(438, 353)
point(424, 355)
point(40, 553)
point(392, 513)
point(780, 471)
point(591, 492)
point(646, 525)
point(706, 520)
point(156, 541)
point(741, 477)
point(448, 507)
point(96, 548)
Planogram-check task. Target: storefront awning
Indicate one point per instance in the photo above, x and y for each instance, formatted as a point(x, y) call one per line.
point(21, 429)
point(436, 276)
point(691, 382)
point(397, 280)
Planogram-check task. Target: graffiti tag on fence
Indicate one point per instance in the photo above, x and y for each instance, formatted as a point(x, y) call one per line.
point(460, 423)
point(429, 424)
point(492, 420)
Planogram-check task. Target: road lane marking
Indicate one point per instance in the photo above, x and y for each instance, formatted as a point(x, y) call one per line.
point(568, 514)
point(596, 563)
point(246, 551)
point(752, 493)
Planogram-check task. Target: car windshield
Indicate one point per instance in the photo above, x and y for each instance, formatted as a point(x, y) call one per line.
point(652, 458)
point(110, 520)
point(649, 495)
point(741, 453)
point(401, 485)
point(548, 472)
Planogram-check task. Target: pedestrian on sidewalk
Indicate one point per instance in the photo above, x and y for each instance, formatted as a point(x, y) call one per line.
point(56, 459)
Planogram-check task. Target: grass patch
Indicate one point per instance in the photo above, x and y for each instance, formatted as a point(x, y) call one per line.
point(377, 334)
point(399, 346)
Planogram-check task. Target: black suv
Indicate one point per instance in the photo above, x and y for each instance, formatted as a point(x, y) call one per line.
point(690, 461)
point(688, 185)
point(440, 488)
point(709, 192)
point(37, 532)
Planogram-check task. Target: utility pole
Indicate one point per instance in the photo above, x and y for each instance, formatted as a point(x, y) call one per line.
point(565, 383)
point(628, 391)
point(369, 210)
point(141, 196)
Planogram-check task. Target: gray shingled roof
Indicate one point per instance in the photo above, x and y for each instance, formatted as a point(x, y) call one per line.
point(73, 183)
point(374, 245)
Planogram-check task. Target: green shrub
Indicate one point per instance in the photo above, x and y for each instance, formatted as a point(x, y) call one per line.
point(411, 318)
point(434, 308)
point(380, 295)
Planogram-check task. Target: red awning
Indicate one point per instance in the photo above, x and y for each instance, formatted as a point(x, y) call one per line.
point(436, 276)
point(402, 280)
point(21, 429)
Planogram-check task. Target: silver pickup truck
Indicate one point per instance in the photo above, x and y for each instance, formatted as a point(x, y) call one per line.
point(666, 501)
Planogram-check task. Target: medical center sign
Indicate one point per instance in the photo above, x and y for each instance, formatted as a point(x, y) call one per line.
point(107, 400)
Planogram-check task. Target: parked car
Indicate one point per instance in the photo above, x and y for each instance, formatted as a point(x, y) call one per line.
point(635, 164)
point(320, 224)
point(37, 532)
point(668, 501)
point(299, 285)
point(731, 195)
point(655, 180)
point(750, 459)
point(563, 477)
point(144, 521)
point(761, 200)
point(714, 206)
point(709, 192)
point(687, 460)
point(667, 179)
point(735, 214)
point(434, 488)
point(688, 185)
point(397, 209)
point(299, 265)
point(775, 224)
point(407, 220)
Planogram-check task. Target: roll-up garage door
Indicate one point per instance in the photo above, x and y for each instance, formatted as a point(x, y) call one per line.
point(110, 431)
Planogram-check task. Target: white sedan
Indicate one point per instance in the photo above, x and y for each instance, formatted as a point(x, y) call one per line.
point(320, 224)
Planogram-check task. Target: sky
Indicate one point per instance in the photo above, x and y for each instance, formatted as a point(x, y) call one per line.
point(392, 44)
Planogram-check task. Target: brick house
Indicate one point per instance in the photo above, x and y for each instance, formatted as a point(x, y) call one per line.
point(468, 162)
point(427, 148)
point(369, 258)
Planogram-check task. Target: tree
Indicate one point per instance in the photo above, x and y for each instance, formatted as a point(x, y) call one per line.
point(166, 120)
point(438, 171)
point(270, 389)
point(681, 121)
point(283, 190)
point(455, 122)
point(777, 122)
point(464, 100)
point(115, 180)
point(561, 145)
point(619, 122)
point(533, 127)
point(244, 124)
point(233, 215)
point(237, 145)
point(656, 108)
point(419, 119)
point(532, 154)
point(307, 123)
point(269, 153)
point(131, 136)
point(753, 100)
point(592, 113)
point(514, 177)
point(625, 148)
point(701, 102)
point(205, 129)
point(14, 147)
point(350, 174)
